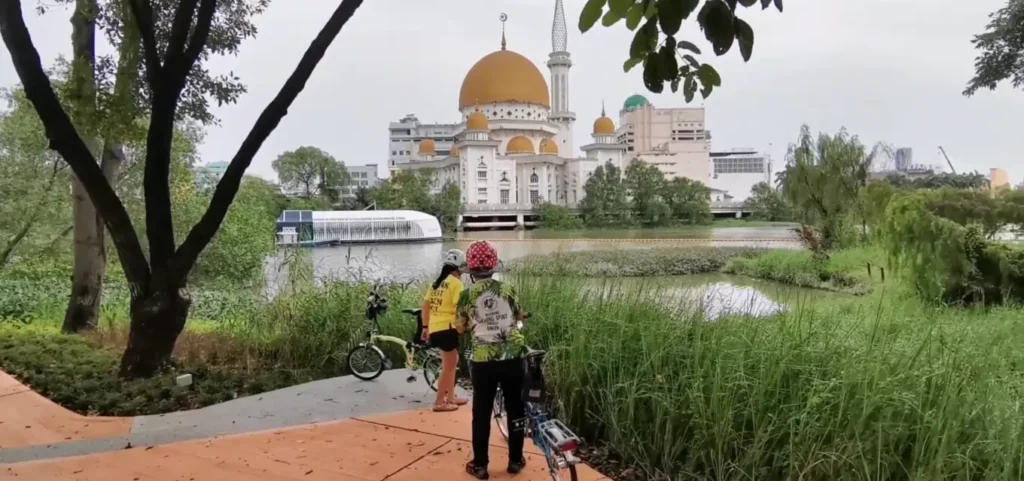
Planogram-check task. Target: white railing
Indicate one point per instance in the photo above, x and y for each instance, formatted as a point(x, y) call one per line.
point(715, 204)
point(497, 207)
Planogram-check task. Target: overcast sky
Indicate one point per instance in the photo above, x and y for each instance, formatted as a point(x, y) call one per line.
point(887, 70)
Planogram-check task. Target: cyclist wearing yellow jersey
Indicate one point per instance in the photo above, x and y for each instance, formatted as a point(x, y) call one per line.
point(439, 307)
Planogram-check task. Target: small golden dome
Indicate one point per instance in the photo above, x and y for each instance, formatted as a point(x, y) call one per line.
point(520, 145)
point(427, 147)
point(604, 126)
point(455, 152)
point(476, 121)
point(548, 146)
point(504, 76)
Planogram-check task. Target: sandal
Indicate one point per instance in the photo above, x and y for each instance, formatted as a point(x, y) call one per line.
point(478, 472)
point(458, 401)
point(445, 408)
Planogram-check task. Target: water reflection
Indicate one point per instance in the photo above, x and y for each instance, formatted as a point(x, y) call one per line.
point(711, 295)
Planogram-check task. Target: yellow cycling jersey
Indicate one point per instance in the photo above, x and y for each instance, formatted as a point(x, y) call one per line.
point(443, 303)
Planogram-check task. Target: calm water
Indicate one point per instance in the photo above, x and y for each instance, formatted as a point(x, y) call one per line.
point(410, 262)
point(717, 294)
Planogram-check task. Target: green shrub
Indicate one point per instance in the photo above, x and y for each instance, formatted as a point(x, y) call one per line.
point(660, 261)
point(82, 376)
point(844, 270)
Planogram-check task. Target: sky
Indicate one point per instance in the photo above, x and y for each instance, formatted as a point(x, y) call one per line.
point(887, 70)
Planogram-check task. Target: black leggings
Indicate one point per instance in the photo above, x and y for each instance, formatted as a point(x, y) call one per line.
point(487, 377)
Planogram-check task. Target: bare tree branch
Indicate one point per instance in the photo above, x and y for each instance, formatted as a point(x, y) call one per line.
point(65, 140)
point(183, 16)
point(142, 10)
point(206, 228)
point(207, 9)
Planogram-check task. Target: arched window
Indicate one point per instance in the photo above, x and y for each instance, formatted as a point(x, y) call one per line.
point(533, 178)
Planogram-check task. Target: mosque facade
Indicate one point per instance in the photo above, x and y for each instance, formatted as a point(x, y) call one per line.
point(514, 143)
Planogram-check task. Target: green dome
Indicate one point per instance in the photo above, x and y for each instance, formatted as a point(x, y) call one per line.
point(635, 101)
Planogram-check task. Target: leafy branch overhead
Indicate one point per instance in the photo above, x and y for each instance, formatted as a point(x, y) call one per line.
point(665, 57)
point(1001, 49)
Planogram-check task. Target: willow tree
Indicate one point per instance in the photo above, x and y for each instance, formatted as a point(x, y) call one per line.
point(948, 260)
point(158, 282)
point(823, 178)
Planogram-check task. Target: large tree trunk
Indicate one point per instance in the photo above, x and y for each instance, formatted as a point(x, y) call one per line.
point(157, 318)
point(87, 277)
point(90, 267)
point(83, 309)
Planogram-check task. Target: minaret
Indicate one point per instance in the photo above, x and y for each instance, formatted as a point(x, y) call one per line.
point(559, 62)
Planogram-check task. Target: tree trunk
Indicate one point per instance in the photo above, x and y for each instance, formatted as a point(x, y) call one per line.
point(87, 278)
point(156, 321)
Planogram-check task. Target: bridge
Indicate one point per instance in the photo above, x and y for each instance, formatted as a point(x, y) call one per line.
point(519, 216)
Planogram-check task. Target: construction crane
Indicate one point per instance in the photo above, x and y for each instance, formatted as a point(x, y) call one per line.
point(947, 159)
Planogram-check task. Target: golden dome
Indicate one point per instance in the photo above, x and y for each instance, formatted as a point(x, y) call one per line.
point(520, 145)
point(455, 152)
point(548, 146)
point(476, 121)
point(504, 76)
point(427, 147)
point(604, 126)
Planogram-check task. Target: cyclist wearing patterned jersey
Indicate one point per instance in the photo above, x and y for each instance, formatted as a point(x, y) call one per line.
point(489, 310)
point(439, 308)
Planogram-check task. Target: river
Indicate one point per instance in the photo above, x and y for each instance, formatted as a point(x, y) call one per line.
point(720, 294)
point(409, 262)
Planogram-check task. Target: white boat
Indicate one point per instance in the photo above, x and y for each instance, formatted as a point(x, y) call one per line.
point(307, 228)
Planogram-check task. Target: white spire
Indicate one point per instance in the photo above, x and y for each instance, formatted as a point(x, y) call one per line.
point(559, 34)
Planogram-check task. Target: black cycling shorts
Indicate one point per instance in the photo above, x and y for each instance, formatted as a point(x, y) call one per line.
point(446, 340)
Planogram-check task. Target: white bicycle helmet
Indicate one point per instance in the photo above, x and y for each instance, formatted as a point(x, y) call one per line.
point(455, 257)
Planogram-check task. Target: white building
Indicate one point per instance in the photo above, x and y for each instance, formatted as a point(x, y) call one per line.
point(672, 139)
point(735, 172)
point(406, 135)
point(361, 176)
point(514, 142)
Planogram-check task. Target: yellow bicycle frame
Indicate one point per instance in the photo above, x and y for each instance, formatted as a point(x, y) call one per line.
point(407, 347)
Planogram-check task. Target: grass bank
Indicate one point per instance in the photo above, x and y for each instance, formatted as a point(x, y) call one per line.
point(843, 271)
point(659, 261)
point(875, 388)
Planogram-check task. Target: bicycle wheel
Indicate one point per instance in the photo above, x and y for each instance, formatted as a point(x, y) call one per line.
point(500, 416)
point(366, 362)
point(558, 473)
point(432, 370)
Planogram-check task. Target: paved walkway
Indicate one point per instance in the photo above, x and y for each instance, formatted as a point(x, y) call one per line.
point(360, 431)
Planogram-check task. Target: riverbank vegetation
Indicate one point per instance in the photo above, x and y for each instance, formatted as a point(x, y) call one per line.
point(638, 197)
point(866, 385)
point(658, 261)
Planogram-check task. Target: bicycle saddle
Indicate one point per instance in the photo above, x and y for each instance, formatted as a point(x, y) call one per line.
point(412, 312)
point(535, 353)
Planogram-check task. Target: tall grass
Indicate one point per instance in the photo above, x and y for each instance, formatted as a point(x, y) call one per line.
point(851, 391)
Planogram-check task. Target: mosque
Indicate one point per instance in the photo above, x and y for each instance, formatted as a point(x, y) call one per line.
point(514, 143)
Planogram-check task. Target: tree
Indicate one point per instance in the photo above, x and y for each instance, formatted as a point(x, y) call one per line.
point(666, 58)
point(767, 203)
point(312, 172)
point(689, 200)
point(110, 97)
point(823, 181)
point(34, 190)
point(646, 186)
point(411, 190)
point(157, 282)
point(606, 202)
point(1002, 50)
point(557, 217)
